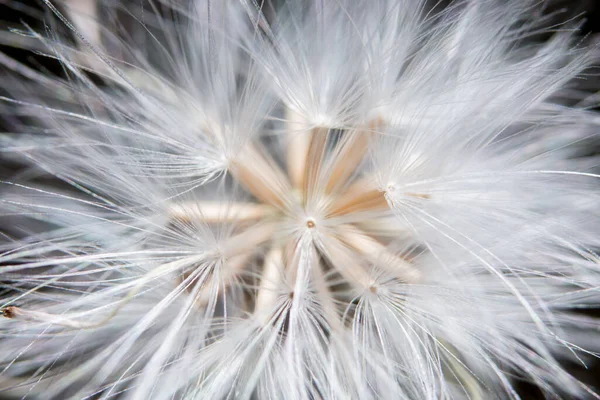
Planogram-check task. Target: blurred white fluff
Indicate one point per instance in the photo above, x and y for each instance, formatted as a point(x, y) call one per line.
point(328, 199)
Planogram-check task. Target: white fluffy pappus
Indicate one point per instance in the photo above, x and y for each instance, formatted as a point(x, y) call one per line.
point(350, 199)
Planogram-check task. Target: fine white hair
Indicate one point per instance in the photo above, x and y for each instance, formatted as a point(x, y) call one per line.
point(349, 199)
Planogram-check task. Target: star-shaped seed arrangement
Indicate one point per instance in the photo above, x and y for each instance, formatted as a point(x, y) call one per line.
point(319, 202)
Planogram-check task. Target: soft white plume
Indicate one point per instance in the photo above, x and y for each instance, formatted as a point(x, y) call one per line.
point(313, 199)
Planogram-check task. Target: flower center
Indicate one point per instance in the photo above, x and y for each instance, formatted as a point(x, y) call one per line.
point(321, 177)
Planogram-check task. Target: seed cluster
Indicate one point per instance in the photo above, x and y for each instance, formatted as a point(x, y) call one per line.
point(321, 200)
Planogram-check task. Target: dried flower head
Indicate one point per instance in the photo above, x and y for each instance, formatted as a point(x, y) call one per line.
point(319, 199)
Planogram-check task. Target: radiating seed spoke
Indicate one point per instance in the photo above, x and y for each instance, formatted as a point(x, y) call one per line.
point(297, 148)
point(343, 259)
point(324, 294)
point(383, 226)
point(216, 212)
point(270, 284)
point(359, 197)
point(230, 270)
point(262, 177)
point(314, 164)
point(347, 156)
point(248, 240)
point(378, 254)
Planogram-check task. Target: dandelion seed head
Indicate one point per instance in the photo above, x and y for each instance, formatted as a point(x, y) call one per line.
point(349, 199)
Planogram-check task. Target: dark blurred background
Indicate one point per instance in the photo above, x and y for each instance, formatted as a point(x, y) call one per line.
point(18, 13)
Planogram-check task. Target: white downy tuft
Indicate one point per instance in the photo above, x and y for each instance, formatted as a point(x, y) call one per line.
point(311, 199)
